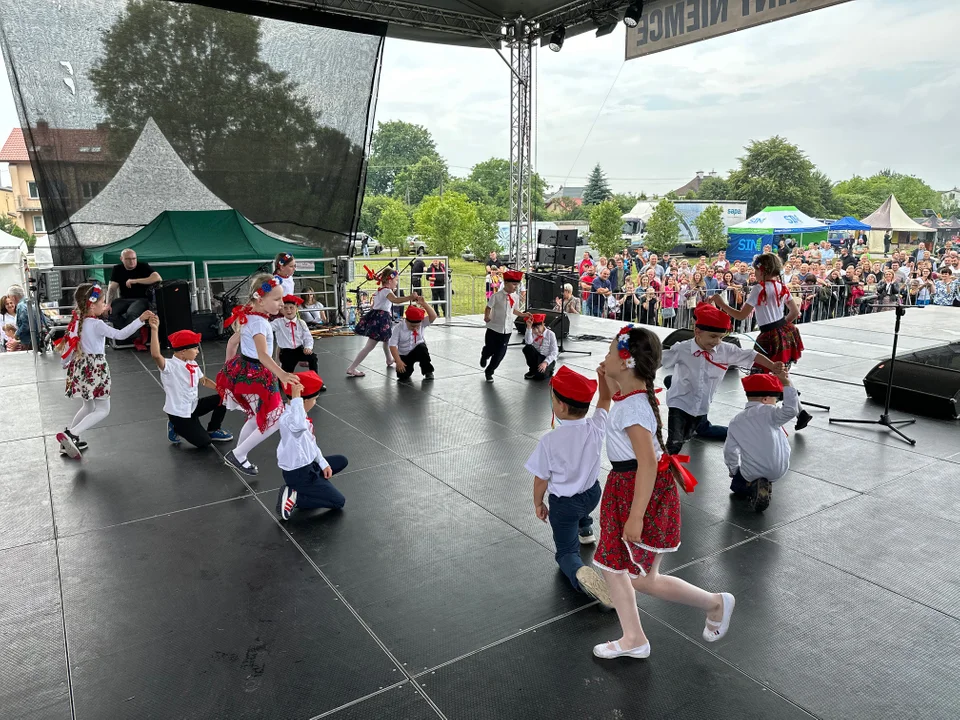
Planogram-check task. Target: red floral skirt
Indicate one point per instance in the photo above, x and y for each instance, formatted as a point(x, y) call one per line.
point(88, 376)
point(252, 388)
point(661, 524)
point(782, 344)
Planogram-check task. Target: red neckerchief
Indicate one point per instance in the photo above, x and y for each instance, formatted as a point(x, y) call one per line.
point(618, 397)
point(782, 292)
point(193, 368)
point(310, 422)
point(538, 339)
point(510, 299)
point(293, 332)
point(705, 354)
point(415, 336)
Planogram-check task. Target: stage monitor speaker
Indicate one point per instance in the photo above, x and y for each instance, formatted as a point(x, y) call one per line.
point(686, 334)
point(926, 382)
point(547, 237)
point(560, 324)
point(544, 288)
point(173, 308)
point(566, 238)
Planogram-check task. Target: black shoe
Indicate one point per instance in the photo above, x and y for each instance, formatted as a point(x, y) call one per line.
point(247, 468)
point(803, 419)
point(489, 378)
point(529, 376)
point(428, 376)
point(404, 381)
point(761, 492)
point(81, 445)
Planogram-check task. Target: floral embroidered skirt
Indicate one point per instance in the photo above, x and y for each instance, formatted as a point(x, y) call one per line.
point(661, 523)
point(782, 344)
point(88, 376)
point(249, 386)
point(375, 324)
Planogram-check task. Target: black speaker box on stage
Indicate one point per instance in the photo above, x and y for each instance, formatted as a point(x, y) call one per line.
point(543, 288)
point(173, 308)
point(209, 325)
point(926, 382)
point(686, 334)
point(566, 238)
point(553, 322)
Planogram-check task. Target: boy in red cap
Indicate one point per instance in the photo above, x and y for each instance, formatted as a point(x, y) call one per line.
point(501, 308)
point(306, 473)
point(539, 348)
point(567, 463)
point(181, 378)
point(756, 452)
point(698, 366)
point(408, 344)
point(293, 337)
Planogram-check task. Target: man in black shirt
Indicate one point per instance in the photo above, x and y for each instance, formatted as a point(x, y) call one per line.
point(846, 258)
point(130, 280)
point(416, 275)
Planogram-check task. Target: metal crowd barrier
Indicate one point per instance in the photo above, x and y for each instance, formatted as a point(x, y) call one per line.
point(304, 268)
point(439, 296)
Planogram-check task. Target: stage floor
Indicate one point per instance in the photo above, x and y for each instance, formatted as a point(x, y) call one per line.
point(152, 581)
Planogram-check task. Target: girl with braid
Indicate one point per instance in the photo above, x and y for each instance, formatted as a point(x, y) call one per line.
point(640, 507)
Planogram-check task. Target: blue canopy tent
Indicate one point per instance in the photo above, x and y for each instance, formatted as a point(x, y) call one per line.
point(767, 226)
point(848, 223)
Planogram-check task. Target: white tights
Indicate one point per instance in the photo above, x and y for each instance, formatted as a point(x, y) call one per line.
point(250, 437)
point(366, 350)
point(90, 413)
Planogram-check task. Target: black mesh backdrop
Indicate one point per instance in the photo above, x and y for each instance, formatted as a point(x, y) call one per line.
point(132, 107)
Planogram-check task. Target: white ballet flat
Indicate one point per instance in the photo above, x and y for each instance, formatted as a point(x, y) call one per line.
point(712, 630)
point(612, 649)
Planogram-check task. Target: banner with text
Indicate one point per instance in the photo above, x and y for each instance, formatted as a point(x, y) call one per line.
point(667, 24)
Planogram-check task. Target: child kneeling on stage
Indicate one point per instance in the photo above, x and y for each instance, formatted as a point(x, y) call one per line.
point(306, 473)
point(567, 463)
point(294, 338)
point(407, 343)
point(539, 348)
point(181, 379)
point(757, 452)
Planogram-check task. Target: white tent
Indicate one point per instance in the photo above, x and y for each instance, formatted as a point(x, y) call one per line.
point(42, 254)
point(890, 216)
point(13, 257)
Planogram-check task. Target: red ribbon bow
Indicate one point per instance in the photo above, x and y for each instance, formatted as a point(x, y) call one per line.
point(239, 314)
point(293, 332)
point(676, 462)
point(193, 368)
point(781, 292)
point(510, 299)
point(709, 358)
point(70, 339)
point(415, 336)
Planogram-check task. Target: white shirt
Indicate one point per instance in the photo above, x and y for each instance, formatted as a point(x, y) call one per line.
point(382, 301)
point(770, 311)
point(632, 410)
point(287, 284)
point(291, 334)
point(696, 379)
point(298, 445)
point(93, 336)
point(180, 386)
point(255, 325)
point(756, 442)
point(545, 344)
point(402, 338)
point(311, 313)
point(568, 457)
point(501, 311)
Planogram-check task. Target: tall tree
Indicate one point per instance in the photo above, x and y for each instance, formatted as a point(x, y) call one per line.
point(710, 230)
point(626, 201)
point(597, 189)
point(396, 146)
point(776, 172)
point(394, 223)
point(715, 188)
point(370, 213)
point(606, 227)
point(493, 175)
point(447, 223)
point(663, 228)
point(484, 238)
point(424, 177)
point(861, 196)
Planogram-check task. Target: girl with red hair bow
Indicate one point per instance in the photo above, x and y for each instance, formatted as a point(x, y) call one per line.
point(377, 323)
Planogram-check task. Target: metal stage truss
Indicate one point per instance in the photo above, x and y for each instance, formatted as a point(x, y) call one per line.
point(520, 45)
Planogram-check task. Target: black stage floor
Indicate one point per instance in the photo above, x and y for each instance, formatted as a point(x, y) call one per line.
point(151, 581)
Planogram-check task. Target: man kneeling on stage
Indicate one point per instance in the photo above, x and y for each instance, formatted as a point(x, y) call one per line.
point(539, 348)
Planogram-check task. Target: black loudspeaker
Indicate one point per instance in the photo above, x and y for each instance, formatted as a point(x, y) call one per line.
point(557, 322)
point(926, 382)
point(559, 256)
point(173, 308)
point(686, 334)
point(566, 238)
point(544, 288)
point(208, 325)
point(547, 237)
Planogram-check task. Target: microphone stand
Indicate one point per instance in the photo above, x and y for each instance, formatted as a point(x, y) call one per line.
point(229, 297)
point(885, 420)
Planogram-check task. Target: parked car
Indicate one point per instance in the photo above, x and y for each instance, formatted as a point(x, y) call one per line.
point(467, 255)
point(416, 246)
point(356, 244)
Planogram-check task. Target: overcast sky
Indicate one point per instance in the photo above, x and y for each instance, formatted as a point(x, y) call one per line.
point(862, 86)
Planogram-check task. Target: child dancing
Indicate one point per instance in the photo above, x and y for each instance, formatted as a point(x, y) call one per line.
point(776, 310)
point(377, 324)
point(640, 508)
point(567, 464)
point(501, 309)
point(248, 380)
point(294, 338)
point(181, 378)
point(408, 344)
point(306, 473)
point(88, 374)
point(756, 452)
point(540, 348)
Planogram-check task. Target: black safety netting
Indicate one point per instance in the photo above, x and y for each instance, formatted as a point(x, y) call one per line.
point(133, 107)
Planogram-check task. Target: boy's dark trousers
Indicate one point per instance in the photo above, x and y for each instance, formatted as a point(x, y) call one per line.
point(419, 354)
point(191, 429)
point(291, 357)
point(569, 518)
point(680, 428)
point(494, 348)
point(313, 489)
point(533, 362)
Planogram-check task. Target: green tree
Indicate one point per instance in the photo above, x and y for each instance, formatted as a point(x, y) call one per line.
point(493, 176)
point(396, 145)
point(861, 196)
point(370, 212)
point(776, 172)
point(710, 230)
point(471, 188)
point(424, 177)
point(625, 201)
point(8, 226)
point(597, 189)
point(484, 240)
point(447, 223)
point(605, 228)
point(663, 228)
point(394, 223)
point(715, 188)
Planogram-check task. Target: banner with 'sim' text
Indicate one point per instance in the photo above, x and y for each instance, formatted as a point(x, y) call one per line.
point(667, 24)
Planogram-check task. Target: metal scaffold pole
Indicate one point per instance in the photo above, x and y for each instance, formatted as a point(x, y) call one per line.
point(520, 44)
